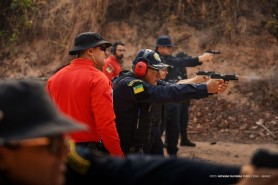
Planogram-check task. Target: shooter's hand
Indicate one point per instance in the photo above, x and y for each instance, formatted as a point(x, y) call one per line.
point(216, 86)
point(206, 57)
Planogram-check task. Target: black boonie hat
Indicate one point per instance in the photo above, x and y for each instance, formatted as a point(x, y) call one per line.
point(88, 40)
point(150, 57)
point(26, 111)
point(164, 40)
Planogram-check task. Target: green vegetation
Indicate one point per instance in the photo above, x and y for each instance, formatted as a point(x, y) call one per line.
point(272, 27)
point(15, 18)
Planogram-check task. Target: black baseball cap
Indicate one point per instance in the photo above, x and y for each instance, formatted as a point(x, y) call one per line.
point(26, 111)
point(164, 40)
point(88, 40)
point(150, 57)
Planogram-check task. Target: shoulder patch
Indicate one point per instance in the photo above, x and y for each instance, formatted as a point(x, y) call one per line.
point(136, 85)
point(138, 88)
point(110, 68)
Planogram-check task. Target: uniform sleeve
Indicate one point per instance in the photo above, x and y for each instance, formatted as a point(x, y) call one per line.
point(85, 168)
point(183, 61)
point(166, 92)
point(102, 108)
point(155, 170)
point(108, 70)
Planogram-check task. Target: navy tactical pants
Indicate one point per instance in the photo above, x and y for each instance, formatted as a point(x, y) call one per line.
point(172, 127)
point(184, 108)
point(155, 145)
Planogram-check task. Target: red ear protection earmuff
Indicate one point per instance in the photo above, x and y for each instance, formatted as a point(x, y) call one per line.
point(140, 69)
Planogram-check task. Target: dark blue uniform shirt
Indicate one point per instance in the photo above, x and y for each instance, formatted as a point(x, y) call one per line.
point(133, 99)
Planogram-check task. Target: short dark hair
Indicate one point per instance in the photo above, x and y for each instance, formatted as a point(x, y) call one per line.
point(114, 46)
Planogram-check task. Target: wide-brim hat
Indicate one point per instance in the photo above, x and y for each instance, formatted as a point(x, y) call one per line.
point(88, 40)
point(26, 111)
point(164, 40)
point(151, 58)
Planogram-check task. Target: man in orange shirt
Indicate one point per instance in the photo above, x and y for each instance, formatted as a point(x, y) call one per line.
point(84, 93)
point(113, 64)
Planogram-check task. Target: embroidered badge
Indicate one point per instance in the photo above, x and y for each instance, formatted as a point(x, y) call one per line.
point(109, 69)
point(156, 56)
point(137, 89)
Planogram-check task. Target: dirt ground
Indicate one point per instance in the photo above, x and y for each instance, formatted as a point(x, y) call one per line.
point(225, 152)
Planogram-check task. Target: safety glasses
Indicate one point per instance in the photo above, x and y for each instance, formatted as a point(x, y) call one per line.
point(55, 144)
point(102, 48)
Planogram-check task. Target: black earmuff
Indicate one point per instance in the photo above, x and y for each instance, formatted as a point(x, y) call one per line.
point(141, 67)
point(113, 49)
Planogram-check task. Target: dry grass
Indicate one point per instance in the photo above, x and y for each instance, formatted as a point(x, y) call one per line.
point(56, 23)
point(60, 21)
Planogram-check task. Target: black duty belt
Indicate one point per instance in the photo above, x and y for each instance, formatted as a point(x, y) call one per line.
point(93, 146)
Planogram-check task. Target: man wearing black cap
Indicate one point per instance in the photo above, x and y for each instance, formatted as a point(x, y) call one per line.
point(32, 146)
point(177, 114)
point(135, 91)
point(84, 93)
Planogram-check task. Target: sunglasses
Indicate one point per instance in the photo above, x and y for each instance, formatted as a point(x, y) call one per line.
point(153, 71)
point(55, 144)
point(102, 48)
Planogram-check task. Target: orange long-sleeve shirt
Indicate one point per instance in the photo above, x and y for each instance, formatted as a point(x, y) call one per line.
point(84, 93)
point(112, 67)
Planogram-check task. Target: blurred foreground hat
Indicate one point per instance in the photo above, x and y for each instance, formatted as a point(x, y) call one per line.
point(150, 57)
point(26, 111)
point(88, 40)
point(164, 40)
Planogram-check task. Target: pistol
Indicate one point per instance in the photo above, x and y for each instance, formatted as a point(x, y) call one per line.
point(265, 159)
point(213, 51)
point(226, 78)
point(207, 73)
